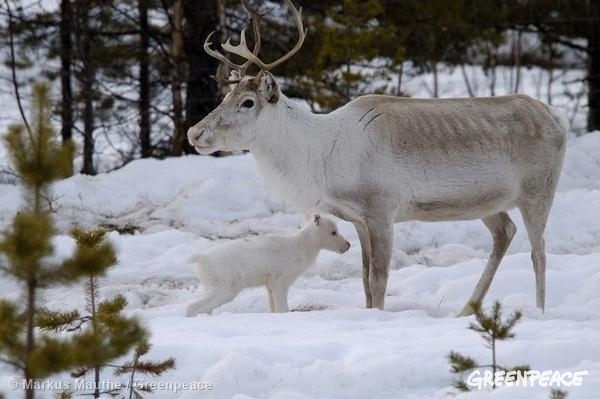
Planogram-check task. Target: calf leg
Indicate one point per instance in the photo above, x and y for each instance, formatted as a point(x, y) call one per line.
point(503, 230)
point(381, 238)
point(212, 300)
point(280, 293)
point(271, 301)
point(365, 247)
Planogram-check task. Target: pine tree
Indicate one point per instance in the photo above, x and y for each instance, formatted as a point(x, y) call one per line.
point(26, 246)
point(492, 328)
point(558, 394)
point(138, 366)
point(104, 319)
point(344, 38)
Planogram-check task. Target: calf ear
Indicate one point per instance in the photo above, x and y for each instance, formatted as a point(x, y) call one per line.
point(317, 219)
point(268, 87)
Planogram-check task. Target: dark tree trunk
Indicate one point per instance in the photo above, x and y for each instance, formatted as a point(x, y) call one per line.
point(202, 94)
point(436, 89)
point(30, 339)
point(144, 80)
point(66, 109)
point(593, 76)
point(517, 61)
point(176, 61)
point(87, 85)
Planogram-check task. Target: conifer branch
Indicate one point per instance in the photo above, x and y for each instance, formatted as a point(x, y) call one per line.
point(57, 321)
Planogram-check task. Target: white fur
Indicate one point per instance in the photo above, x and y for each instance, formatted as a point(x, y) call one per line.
point(273, 261)
point(380, 159)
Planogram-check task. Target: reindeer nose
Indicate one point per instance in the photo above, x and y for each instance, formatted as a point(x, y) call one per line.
point(197, 136)
point(194, 134)
point(347, 247)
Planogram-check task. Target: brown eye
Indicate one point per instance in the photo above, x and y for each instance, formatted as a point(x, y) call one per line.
point(248, 104)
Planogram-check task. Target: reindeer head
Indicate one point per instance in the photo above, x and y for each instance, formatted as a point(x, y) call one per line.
point(328, 235)
point(231, 126)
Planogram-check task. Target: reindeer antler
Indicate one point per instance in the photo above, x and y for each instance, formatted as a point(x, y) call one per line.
point(251, 57)
point(242, 49)
point(220, 77)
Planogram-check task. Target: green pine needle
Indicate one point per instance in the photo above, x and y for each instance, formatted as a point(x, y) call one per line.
point(461, 363)
point(56, 321)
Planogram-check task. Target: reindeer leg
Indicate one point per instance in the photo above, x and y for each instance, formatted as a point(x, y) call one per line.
point(503, 230)
point(280, 292)
point(381, 238)
point(365, 247)
point(535, 216)
point(271, 300)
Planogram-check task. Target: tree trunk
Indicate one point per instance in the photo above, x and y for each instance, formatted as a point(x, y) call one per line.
point(144, 80)
point(92, 282)
point(202, 95)
point(517, 61)
point(436, 90)
point(550, 73)
point(492, 66)
point(66, 108)
point(176, 61)
point(400, 73)
point(30, 339)
point(494, 367)
point(463, 70)
point(87, 85)
point(593, 76)
point(223, 89)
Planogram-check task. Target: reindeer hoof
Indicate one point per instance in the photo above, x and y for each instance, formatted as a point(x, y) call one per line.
point(466, 311)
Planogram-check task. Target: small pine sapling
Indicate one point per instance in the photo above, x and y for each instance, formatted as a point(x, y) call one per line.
point(558, 394)
point(491, 328)
point(104, 322)
point(138, 366)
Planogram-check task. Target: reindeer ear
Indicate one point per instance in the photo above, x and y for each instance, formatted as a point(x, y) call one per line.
point(317, 219)
point(268, 87)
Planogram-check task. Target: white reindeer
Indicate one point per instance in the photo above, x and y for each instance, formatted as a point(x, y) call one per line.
point(382, 159)
point(274, 261)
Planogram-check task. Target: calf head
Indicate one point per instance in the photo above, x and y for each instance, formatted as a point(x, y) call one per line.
point(329, 236)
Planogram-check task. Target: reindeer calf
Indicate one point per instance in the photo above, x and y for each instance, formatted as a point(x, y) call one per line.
point(274, 261)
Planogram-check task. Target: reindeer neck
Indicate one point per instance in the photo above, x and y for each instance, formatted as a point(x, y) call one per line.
point(309, 242)
point(290, 153)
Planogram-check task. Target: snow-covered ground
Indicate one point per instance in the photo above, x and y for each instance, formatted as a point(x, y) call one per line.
point(330, 347)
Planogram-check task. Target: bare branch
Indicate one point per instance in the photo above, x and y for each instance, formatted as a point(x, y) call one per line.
point(13, 67)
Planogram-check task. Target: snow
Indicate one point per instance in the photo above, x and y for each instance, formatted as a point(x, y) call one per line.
point(330, 347)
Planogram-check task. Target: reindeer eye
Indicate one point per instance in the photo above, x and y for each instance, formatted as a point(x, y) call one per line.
point(248, 104)
point(333, 233)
